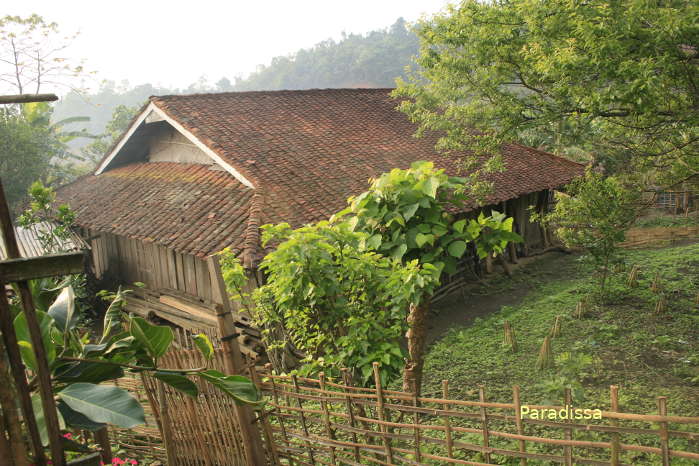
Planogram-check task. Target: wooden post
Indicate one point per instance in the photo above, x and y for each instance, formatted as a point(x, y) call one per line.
point(447, 421)
point(13, 445)
point(518, 422)
point(19, 377)
point(264, 421)
point(326, 416)
point(382, 413)
point(568, 434)
point(347, 379)
point(43, 373)
point(166, 423)
point(250, 435)
point(484, 421)
point(616, 446)
point(275, 395)
point(663, 432)
point(304, 426)
point(102, 439)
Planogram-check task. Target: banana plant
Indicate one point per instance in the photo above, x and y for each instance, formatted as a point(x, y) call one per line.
point(81, 363)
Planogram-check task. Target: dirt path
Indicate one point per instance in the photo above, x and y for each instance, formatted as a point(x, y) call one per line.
point(455, 312)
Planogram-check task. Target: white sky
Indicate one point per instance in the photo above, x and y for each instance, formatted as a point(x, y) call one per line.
point(173, 43)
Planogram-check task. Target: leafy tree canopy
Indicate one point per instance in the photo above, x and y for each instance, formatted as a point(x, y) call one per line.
point(619, 78)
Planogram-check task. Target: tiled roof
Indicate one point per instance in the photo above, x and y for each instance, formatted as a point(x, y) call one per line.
point(305, 152)
point(190, 208)
point(310, 150)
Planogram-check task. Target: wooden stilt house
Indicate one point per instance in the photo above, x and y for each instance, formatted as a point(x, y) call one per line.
point(194, 174)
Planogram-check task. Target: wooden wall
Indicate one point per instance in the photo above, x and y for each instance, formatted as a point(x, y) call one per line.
point(122, 260)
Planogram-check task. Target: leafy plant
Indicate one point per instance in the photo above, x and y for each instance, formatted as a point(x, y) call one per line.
point(80, 364)
point(406, 215)
point(594, 216)
point(337, 301)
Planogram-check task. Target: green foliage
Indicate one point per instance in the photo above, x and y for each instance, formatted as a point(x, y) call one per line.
point(80, 363)
point(97, 149)
point(594, 216)
point(613, 78)
point(42, 208)
point(406, 214)
point(339, 302)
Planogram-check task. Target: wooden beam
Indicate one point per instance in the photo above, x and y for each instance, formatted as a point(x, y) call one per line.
point(16, 270)
point(43, 372)
point(27, 98)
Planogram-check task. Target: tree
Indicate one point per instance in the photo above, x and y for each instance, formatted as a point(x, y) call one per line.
point(26, 151)
point(406, 215)
point(594, 216)
point(335, 299)
point(121, 118)
point(31, 55)
point(619, 78)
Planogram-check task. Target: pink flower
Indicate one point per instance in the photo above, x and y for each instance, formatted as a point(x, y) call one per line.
point(69, 436)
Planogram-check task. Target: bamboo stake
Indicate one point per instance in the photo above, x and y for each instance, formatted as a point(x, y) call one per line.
point(6, 450)
point(556, 328)
point(17, 451)
point(545, 359)
point(447, 421)
point(614, 397)
point(509, 337)
point(326, 418)
point(416, 423)
point(266, 429)
point(43, 373)
point(275, 395)
point(662, 432)
point(254, 450)
point(518, 422)
point(347, 379)
point(102, 439)
point(568, 434)
point(484, 421)
point(309, 447)
point(382, 413)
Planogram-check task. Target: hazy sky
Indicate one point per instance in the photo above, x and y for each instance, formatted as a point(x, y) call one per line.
point(173, 43)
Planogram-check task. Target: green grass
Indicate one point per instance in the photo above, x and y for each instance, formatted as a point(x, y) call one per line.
point(622, 342)
point(667, 221)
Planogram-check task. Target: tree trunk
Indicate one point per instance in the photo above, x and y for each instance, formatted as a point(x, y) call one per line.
point(416, 336)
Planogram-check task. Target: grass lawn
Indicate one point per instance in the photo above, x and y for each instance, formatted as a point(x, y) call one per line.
point(623, 342)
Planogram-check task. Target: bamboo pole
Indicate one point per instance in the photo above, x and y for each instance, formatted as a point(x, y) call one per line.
point(275, 395)
point(380, 411)
point(43, 373)
point(266, 429)
point(13, 444)
point(568, 434)
point(254, 450)
point(302, 415)
point(166, 422)
point(518, 422)
point(6, 450)
point(326, 418)
point(484, 421)
point(102, 439)
point(347, 379)
point(662, 432)
point(27, 98)
point(447, 421)
point(614, 396)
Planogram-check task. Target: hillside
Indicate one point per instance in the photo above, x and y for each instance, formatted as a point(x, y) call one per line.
point(374, 59)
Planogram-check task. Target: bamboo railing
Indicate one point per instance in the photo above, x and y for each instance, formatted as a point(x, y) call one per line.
point(322, 421)
point(318, 422)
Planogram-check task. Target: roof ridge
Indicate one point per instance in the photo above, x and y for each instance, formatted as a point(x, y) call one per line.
point(273, 92)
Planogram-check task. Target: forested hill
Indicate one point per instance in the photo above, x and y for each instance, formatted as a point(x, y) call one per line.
point(374, 59)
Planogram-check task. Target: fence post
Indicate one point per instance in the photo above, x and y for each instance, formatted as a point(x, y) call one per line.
point(347, 379)
point(250, 435)
point(616, 447)
point(518, 422)
point(447, 421)
point(326, 415)
point(381, 413)
point(568, 450)
point(484, 420)
point(662, 432)
point(303, 418)
point(268, 366)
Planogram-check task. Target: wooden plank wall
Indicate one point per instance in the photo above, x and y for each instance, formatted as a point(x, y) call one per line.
point(125, 261)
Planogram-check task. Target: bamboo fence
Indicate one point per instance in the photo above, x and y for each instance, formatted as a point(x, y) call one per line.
point(319, 421)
